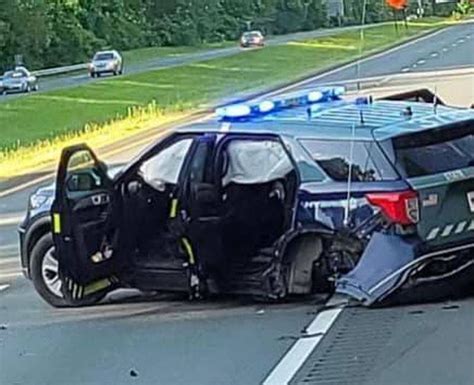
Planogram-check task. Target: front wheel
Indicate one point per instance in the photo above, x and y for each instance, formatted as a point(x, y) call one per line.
point(45, 276)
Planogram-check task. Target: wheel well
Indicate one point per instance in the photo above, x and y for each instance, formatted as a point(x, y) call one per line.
point(34, 236)
point(300, 255)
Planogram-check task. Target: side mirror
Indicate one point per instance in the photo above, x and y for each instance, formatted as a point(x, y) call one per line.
point(81, 181)
point(103, 166)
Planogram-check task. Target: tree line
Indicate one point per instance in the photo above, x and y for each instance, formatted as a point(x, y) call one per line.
point(60, 32)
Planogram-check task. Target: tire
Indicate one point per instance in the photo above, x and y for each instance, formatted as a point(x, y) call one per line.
point(42, 267)
point(28, 89)
point(36, 88)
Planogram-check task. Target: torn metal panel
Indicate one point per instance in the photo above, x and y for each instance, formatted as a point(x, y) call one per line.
point(374, 277)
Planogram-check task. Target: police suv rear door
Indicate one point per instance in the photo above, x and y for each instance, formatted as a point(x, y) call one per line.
point(439, 165)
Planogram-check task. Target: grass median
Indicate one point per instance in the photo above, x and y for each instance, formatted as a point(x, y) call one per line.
point(30, 125)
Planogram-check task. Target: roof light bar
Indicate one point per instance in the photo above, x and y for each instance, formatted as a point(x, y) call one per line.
point(244, 110)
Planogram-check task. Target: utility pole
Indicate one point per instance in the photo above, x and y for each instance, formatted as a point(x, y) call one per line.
point(361, 42)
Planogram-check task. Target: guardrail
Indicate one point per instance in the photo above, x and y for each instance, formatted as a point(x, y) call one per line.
point(60, 70)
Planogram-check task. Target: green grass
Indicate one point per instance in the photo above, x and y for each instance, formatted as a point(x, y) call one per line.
point(47, 115)
point(140, 55)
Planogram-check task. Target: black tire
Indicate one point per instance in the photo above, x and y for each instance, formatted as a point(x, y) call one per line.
point(40, 250)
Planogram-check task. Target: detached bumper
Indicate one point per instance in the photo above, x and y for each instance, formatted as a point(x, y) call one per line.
point(391, 271)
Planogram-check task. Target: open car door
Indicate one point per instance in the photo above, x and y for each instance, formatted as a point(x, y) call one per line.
point(85, 227)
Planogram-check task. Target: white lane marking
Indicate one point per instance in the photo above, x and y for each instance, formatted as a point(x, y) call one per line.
point(4, 287)
point(9, 261)
point(414, 65)
point(434, 54)
point(349, 65)
point(454, 45)
point(444, 49)
point(301, 349)
point(421, 61)
point(10, 220)
point(405, 69)
point(461, 41)
point(10, 275)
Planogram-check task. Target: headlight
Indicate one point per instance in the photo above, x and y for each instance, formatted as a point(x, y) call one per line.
point(37, 201)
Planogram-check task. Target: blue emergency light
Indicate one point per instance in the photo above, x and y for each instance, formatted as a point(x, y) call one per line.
point(246, 110)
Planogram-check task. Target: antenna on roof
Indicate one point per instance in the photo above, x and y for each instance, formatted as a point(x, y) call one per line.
point(361, 117)
point(347, 208)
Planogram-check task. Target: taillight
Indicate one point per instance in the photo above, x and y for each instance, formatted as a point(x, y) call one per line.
point(399, 207)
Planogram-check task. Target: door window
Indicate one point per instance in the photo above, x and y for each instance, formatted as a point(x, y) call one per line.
point(165, 167)
point(82, 173)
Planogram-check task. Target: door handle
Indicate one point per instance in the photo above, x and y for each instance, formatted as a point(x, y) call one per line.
point(100, 199)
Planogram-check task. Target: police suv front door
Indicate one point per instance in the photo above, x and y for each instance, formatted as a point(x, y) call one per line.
point(84, 232)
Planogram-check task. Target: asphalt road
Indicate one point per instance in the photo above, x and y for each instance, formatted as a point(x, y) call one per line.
point(225, 342)
point(76, 79)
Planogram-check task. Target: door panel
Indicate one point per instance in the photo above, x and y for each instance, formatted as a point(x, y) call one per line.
point(85, 228)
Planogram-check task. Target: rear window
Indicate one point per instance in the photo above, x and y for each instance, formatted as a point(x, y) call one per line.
point(104, 56)
point(435, 151)
point(334, 157)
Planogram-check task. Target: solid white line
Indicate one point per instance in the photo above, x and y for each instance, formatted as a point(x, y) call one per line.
point(4, 287)
point(10, 275)
point(10, 221)
point(301, 349)
point(11, 260)
point(344, 67)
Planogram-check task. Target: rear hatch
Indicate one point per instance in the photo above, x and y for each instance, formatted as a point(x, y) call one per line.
point(439, 165)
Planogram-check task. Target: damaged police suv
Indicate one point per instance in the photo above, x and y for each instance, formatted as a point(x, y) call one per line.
point(306, 193)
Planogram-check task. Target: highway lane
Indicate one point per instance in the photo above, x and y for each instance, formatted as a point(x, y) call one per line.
point(170, 341)
point(76, 79)
point(166, 342)
point(449, 48)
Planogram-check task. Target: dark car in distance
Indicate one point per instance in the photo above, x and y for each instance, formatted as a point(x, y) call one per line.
point(308, 192)
point(18, 80)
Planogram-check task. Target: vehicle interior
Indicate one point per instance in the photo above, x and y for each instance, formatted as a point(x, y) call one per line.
point(234, 199)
